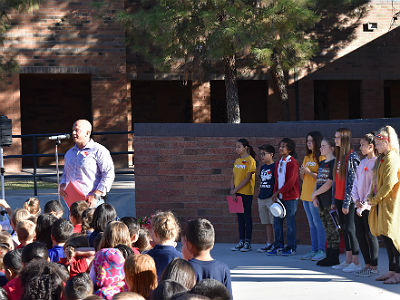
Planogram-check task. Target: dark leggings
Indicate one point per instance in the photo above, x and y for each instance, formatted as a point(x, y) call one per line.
point(369, 244)
point(244, 220)
point(348, 227)
point(393, 254)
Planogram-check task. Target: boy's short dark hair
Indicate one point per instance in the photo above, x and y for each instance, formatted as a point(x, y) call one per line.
point(132, 224)
point(62, 230)
point(53, 206)
point(211, 288)
point(200, 233)
point(78, 287)
point(267, 148)
point(125, 250)
point(13, 260)
point(77, 208)
point(35, 250)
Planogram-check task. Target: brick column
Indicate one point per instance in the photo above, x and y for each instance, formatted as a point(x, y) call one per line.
point(372, 99)
point(201, 99)
point(10, 107)
point(306, 99)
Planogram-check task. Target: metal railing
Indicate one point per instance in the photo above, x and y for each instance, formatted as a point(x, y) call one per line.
point(35, 155)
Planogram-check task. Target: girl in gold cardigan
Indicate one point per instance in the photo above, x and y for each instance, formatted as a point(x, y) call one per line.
point(384, 218)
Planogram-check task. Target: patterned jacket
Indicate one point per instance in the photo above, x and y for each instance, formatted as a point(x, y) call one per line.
point(353, 160)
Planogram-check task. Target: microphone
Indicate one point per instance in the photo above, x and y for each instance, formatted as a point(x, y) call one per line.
point(59, 137)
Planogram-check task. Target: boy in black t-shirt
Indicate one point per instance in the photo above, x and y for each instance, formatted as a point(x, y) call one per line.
point(197, 241)
point(267, 177)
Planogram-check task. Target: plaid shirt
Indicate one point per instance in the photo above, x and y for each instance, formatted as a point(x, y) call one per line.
point(91, 167)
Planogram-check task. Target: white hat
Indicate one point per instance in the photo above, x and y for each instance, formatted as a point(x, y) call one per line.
point(277, 209)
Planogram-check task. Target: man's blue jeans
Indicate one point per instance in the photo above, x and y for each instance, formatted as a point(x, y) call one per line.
point(291, 208)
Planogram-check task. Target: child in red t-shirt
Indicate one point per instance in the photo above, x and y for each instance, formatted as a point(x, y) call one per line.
point(75, 214)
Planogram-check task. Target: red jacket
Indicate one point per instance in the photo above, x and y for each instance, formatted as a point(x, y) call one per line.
point(291, 189)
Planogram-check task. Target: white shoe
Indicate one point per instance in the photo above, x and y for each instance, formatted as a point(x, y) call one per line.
point(352, 268)
point(309, 255)
point(341, 266)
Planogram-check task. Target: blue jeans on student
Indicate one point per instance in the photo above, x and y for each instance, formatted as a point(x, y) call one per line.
point(291, 208)
point(244, 220)
point(317, 231)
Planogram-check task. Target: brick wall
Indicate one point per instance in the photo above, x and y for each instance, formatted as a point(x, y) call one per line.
point(69, 37)
point(187, 168)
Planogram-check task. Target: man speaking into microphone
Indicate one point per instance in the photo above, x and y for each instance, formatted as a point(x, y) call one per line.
point(88, 165)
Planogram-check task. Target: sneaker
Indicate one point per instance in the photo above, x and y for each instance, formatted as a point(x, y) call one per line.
point(309, 255)
point(366, 272)
point(288, 252)
point(275, 251)
point(238, 246)
point(352, 268)
point(319, 255)
point(266, 248)
point(340, 266)
point(246, 247)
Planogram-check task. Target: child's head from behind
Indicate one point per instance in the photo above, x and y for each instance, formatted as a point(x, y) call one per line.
point(35, 250)
point(143, 242)
point(41, 280)
point(61, 231)
point(181, 271)
point(19, 215)
point(76, 210)
point(26, 231)
point(133, 226)
point(5, 238)
point(43, 228)
point(198, 236)
point(75, 241)
point(165, 227)
point(55, 208)
point(32, 205)
point(103, 214)
point(166, 289)
point(12, 263)
point(128, 296)
point(78, 287)
point(211, 288)
point(115, 233)
point(87, 218)
point(141, 274)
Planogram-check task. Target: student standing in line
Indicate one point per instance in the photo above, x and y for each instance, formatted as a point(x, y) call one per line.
point(267, 177)
point(308, 173)
point(242, 184)
point(322, 198)
point(287, 188)
point(384, 198)
point(346, 165)
point(369, 245)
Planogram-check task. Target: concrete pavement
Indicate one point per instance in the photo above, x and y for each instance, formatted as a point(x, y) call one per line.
point(256, 276)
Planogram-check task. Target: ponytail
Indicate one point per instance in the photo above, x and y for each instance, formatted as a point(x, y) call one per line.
point(250, 149)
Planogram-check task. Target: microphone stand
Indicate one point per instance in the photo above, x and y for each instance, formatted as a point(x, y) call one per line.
point(58, 142)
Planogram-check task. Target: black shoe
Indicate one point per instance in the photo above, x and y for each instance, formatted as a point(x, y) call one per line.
point(238, 246)
point(246, 247)
point(331, 259)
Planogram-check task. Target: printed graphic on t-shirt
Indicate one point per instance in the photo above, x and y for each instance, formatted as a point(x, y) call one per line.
point(267, 181)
